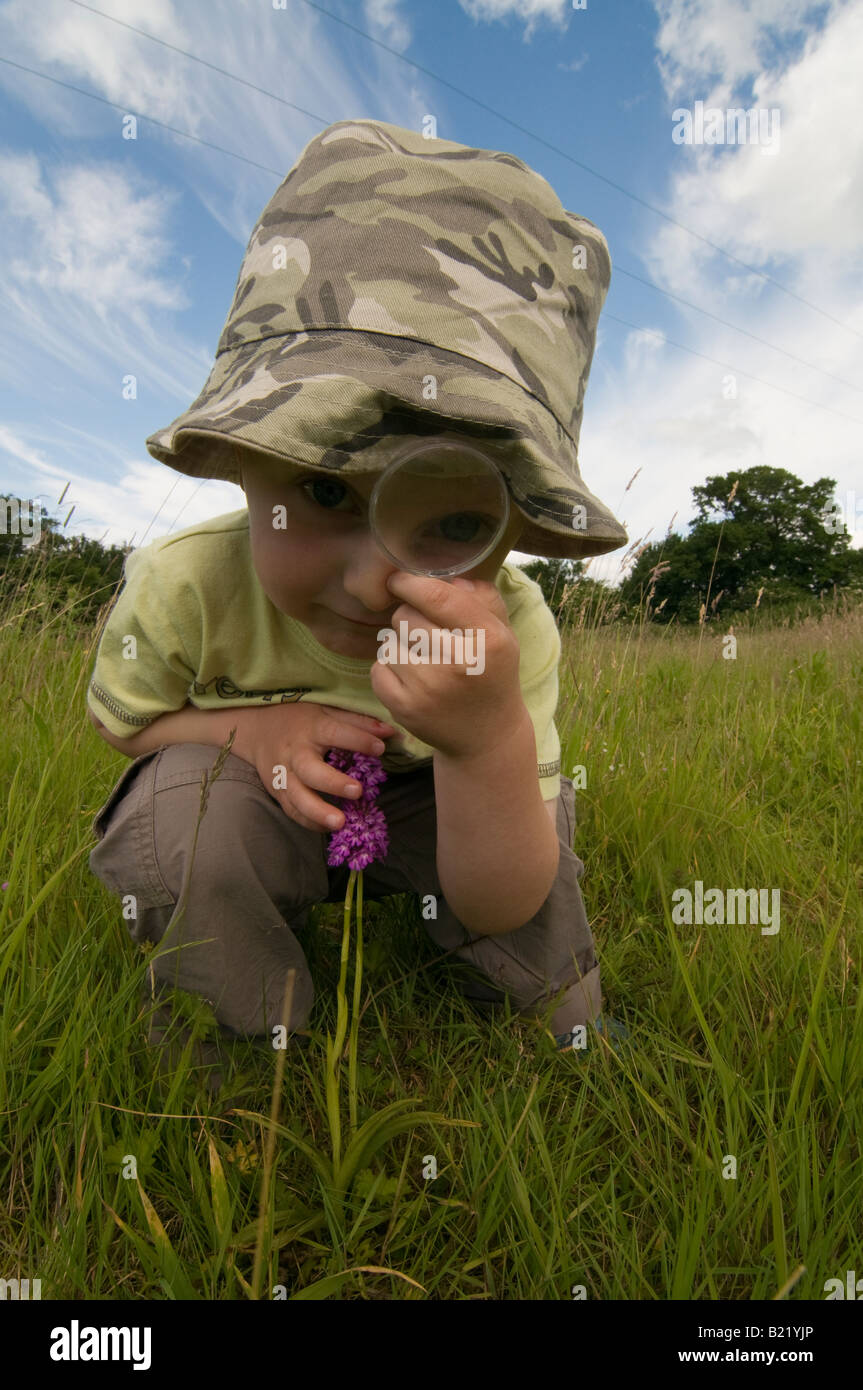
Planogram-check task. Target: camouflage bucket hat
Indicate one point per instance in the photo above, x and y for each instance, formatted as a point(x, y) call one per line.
point(397, 288)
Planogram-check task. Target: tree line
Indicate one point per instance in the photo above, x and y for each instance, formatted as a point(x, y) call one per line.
point(760, 539)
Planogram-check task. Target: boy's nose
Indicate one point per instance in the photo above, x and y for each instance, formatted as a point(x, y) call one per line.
point(365, 574)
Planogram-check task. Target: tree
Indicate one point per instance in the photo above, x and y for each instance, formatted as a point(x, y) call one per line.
point(762, 529)
point(574, 599)
point(79, 574)
point(553, 576)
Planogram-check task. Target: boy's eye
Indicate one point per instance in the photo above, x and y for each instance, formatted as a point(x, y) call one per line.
point(462, 527)
point(326, 492)
point(450, 539)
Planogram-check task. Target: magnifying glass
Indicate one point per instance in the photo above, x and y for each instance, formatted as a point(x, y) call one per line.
point(439, 508)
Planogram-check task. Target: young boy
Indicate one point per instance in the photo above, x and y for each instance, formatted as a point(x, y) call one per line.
point(396, 289)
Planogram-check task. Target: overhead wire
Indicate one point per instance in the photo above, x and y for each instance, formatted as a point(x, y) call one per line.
point(500, 115)
point(728, 366)
point(324, 121)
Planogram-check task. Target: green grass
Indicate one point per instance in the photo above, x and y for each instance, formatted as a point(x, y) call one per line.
point(554, 1170)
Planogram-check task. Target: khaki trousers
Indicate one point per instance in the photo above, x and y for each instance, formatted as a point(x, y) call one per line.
point(255, 872)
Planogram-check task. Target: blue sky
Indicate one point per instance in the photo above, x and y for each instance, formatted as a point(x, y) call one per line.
point(120, 256)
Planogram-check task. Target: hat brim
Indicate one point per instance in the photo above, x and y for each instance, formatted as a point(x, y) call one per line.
point(334, 400)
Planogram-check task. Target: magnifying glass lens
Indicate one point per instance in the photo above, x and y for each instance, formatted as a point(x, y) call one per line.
point(440, 509)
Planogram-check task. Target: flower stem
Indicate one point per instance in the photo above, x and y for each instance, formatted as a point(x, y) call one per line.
point(334, 1049)
point(265, 1215)
point(355, 1011)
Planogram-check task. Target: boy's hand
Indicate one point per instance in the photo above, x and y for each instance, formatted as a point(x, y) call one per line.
point(457, 712)
point(298, 737)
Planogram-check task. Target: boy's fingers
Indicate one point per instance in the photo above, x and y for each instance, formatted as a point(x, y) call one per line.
point(333, 733)
point(313, 775)
point(301, 805)
point(444, 604)
point(298, 800)
point(310, 812)
point(362, 721)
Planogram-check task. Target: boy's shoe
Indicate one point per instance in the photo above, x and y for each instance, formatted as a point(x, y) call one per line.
point(611, 1028)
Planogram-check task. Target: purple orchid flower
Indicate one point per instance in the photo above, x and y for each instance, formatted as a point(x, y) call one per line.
point(363, 838)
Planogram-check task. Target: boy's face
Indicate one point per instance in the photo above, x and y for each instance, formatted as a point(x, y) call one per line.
point(324, 567)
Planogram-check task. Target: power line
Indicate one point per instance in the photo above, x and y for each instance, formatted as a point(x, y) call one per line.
point(125, 109)
point(280, 173)
point(585, 167)
point(736, 328)
point(492, 111)
point(194, 57)
point(729, 367)
point(630, 274)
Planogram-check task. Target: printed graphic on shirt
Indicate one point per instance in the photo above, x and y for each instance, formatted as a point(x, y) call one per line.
point(225, 688)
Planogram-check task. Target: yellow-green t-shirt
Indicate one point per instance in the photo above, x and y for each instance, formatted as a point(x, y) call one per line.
point(206, 634)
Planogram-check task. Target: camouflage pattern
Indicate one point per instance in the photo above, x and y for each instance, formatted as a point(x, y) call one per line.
point(397, 288)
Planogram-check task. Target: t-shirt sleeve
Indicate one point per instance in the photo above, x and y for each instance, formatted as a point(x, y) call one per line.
point(541, 701)
point(143, 668)
point(539, 641)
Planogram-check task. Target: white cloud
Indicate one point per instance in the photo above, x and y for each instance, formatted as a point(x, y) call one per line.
point(103, 303)
point(296, 54)
point(717, 44)
point(575, 66)
point(20, 451)
point(93, 238)
point(800, 207)
point(85, 275)
point(680, 419)
point(388, 23)
point(95, 268)
point(100, 56)
point(642, 343)
point(147, 501)
point(797, 214)
point(532, 11)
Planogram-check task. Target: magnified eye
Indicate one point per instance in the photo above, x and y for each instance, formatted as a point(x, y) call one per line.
point(326, 492)
point(461, 526)
point(464, 528)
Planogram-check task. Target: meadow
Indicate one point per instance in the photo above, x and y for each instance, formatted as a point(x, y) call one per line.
point(594, 1174)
